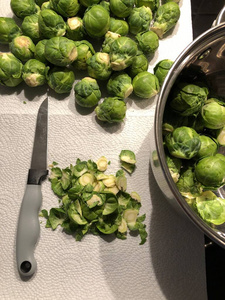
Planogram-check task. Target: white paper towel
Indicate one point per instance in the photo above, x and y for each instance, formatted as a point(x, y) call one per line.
point(170, 265)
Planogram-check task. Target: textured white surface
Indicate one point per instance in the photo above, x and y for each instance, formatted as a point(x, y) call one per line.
point(171, 263)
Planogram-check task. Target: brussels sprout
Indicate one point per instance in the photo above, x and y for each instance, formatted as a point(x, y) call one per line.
point(119, 26)
point(98, 66)
point(51, 24)
point(85, 50)
point(88, 3)
point(184, 142)
point(188, 186)
point(61, 80)
point(87, 92)
point(213, 114)
point(106, 5)
point(60, 51)
point(23, 8)
point(109, 38)
point(152, 4)
point(22, 47)
point(96, 21)
point(30, 27)
point(66, 8)
point(139, 64)
point(46, 5)
point(166, 18)
point(34, 73)
point(211, 208)
point(121, 8)
point(210, 171)
point(161, 69)
point(111, 110)
point(8, 30)
point(174, 166)
point(39, 52)
point(75, 29)
point(188, 99)
point(146, 85)
point(220, 136)
point(139, 19)
point(209, 146)
point(128, 156)
point(148, 41)
point(120, 85)
point(39, 2)
point(10, 69)
point(122, 52)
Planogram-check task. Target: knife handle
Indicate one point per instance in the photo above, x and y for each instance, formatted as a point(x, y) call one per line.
point(28, 229)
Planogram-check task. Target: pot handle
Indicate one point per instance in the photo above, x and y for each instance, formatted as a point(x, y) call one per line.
point(220, 18)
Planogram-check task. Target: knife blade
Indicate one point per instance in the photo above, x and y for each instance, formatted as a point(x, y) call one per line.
point(28, 228)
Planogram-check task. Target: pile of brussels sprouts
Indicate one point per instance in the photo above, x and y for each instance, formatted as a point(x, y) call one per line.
point(51, 42)
point(194, 137)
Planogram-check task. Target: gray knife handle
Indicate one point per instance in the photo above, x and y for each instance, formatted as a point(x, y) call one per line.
point(28, 230)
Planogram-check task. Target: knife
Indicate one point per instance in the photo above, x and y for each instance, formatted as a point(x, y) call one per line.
point(28, 228)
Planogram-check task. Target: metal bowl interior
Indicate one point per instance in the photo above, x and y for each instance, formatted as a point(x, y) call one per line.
point(203, 60)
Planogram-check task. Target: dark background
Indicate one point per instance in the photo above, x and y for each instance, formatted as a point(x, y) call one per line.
point(204, 12)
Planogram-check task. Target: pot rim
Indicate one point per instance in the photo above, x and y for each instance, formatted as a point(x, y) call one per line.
point(195, 48)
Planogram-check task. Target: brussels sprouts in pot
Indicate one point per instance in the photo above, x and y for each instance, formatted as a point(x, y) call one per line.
point(145, 85)
point(174, 165)
point(22, 47)
point(75, 29)
point(213, 114)
point(139, 19)
point(85, 50)
point(119, 26)
point(30, 27)
point(120, 85)
point(209, 146)
point(61, 79)
point(23, 8)
point(111, 110)
point(34, 73)
point(51, 24)
point(8, 30)
point(121, 8)
point(98, 66)
point(66, 8)
point(87, 92)
point(60, 51)
point(10, 70)
point(96, 21)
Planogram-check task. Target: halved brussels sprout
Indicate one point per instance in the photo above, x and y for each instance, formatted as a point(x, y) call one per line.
point(10, 69)
point(22, 47)
point(120, 85)
point(99, 66)
point(61, 80)
point(145, 85)
point(34, 73)
point(8, 30)
point(87, 92)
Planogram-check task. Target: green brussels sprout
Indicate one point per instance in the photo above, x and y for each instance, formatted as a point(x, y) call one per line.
point(34, 73)
point(22, 47)
point(51, 24)
point(211, 208)
point(88, 3)
point(188, 99)
point(109, 38)
point(161, 69)
point(121, 8)
point(210, 171)
point(139, 64)
point(146, 85)
point(152, 4)
point(98, 66)
point(46, 5)
point(8, 30)
point(85, 50)
point(220, 136)
point(30, 27)
point(39, 52)
point(66, 8)
point(111, 110)
point(75, 29)
point(174, 166)
point(39, 2)
point(213, 114)
point(122, 52)
point(188, 185)
point(209, 146)
point(23, 8)
point(119, 26)
point(120, 85)
point(166, 18)
point(60, 51)
point(10, 69)
point(183, 142)
point(106, 5)
point(139, 19)
point(87, 92)
point(148, 41)
point(96, 21)
point(61, 79)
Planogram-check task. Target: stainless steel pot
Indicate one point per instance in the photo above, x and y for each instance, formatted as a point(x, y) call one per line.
point(203, 59)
